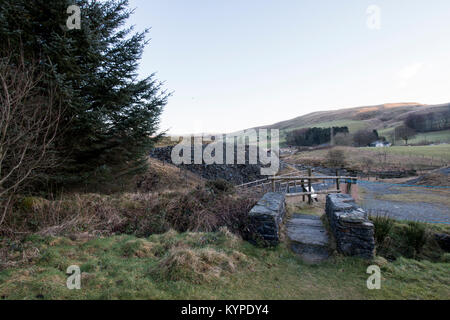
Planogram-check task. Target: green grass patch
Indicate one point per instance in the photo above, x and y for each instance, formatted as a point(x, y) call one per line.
point(208, 266)
point(426, 137)
point(395, 239)
point(431, 137)
point(441, 151)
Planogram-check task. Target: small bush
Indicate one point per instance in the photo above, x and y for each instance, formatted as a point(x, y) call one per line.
point(335, 158)
point(383, 226)
point(412, 240)
point(416, 236)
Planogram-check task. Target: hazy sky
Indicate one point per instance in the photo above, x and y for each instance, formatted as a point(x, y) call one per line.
point(236, 64)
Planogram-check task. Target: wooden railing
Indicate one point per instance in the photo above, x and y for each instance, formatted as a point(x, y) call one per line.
point(283, 183)
point(263, 184)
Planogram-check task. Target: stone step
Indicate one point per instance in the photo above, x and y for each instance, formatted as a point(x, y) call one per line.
point(308, 237)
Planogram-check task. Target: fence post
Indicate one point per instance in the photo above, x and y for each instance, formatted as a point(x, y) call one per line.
point(309, 187)
point(273, 185)
point(337, 180)
point(303, 189)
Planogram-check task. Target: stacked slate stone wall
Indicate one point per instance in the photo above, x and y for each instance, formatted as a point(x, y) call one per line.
point(233, 173)
point(266, 217)
point(353, 231)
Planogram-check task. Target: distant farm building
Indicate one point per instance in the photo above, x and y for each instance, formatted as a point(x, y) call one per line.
point(379, 144)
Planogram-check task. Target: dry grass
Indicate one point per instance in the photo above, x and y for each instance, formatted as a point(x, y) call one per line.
point(296, 205)
point(142, 214)
point(164, 176)
point(165, 197)
point(435, 179)
point(188, 257)
point(198, 265)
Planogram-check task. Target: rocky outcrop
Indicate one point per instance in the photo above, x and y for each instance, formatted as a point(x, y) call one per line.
point(443, 240)
point(233, 173)
point(353, 231)
point(266, 217)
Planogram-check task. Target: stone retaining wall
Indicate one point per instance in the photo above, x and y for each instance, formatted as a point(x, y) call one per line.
point(266, 217)
point(353, 231)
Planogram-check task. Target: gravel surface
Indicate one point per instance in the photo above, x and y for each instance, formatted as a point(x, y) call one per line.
point(417, 211)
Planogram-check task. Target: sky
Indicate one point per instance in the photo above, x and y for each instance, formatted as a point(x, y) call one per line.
point(237, 64)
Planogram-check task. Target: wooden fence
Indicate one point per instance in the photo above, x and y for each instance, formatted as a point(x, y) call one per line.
point(284, 183)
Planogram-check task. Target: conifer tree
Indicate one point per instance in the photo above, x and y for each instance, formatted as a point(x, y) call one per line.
point(111, 114)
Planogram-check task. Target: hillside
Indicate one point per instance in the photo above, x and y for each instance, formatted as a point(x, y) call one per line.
point(381, 117)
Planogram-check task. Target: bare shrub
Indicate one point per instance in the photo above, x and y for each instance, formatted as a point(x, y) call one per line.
point(199, 210)
point(29, 119)
point(405, 133)
point(76, 214)
point(138, 214)
point(367, 163)
point(335, 158)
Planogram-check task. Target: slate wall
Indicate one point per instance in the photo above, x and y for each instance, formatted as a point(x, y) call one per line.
point(353, 231)
point(266, 217)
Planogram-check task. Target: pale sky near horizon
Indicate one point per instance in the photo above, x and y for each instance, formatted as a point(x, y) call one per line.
point(238, 64)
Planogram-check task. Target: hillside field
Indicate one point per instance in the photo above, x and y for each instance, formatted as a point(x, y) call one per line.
point(438, 152)
point(383, 118)
point(396, 157)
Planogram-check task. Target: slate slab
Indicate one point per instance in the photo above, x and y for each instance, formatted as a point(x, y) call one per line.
point(308, 238)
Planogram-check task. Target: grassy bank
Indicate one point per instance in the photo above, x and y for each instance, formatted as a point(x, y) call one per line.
point(205, 266)
point(420, 138)
point(127, 248)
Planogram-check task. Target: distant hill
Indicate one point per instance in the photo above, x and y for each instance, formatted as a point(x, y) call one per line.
point(383, 117)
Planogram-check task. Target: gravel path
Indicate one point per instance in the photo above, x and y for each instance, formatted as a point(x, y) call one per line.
point(417, 211)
